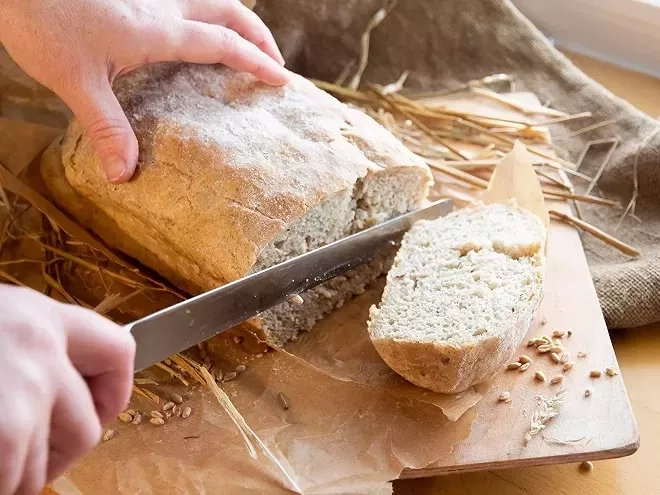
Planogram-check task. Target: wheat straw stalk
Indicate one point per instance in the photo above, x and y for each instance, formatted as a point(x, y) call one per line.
point(417, 122)
point(475, 83)
point(516, 105)
point(365, 40)
point(596, 232)
point(581, 197)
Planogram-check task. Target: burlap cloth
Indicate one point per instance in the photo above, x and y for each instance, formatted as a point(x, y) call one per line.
point(446, 42)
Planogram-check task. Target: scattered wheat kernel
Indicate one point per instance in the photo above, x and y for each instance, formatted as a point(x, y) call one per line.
point(177, 399)
point(218, 375)
point(238, 339)
point(240, 368)
point(588, 392)
point(611, 371)
point(132, 412)
point(554, 357)
point(525, 359)
point(595, 373)
point(568, 365)
point(156, 414)
point(178, 413)
point(157, 421)
point(524, 367)
point(539, 376)
point(543, 348)
point(168, 405)
point(260, 355)
point(505, 396)
point(558, 334)
point(230, 376)
point(531, 342)
point(587, 466)
point(175, 410)
point(186, 412)
point(513, 366)
point(544, 320)
point(125, 417)
point(297, 299)
point(557, 379)
point(557, 348)
point(569, 333)
point(108, 435)
point(564, 357)
point(582, 354)
point(137, 419)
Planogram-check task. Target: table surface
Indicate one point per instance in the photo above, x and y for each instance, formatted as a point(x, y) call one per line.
point(638, 353)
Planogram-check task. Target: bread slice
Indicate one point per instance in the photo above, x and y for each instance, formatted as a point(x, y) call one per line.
point(460, 296)
point(235, 176)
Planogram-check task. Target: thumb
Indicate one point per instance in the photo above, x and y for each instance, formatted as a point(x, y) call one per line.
point(107, 127)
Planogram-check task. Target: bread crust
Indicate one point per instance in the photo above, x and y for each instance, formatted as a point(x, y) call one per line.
point(452, 368)
point(226, 165)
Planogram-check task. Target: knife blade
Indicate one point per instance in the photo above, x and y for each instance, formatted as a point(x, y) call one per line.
point(195, 320)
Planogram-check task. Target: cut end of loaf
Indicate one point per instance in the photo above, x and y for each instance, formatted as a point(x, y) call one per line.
point(460, 296)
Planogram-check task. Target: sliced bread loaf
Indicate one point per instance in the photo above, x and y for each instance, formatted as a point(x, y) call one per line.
point(460, 296)
point(235, 176)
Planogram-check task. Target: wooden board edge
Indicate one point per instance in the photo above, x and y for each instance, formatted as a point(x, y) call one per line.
point(623, 451)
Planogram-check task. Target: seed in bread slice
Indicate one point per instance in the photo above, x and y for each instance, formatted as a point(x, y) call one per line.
point(460, 296)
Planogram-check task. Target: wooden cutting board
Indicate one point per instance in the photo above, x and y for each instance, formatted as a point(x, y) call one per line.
point(601, 426)
point(598, 427)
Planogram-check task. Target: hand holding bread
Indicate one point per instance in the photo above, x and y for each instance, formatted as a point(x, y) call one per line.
point(77, 47)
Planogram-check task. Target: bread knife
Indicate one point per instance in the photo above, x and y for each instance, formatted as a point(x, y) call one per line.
point(195, 320)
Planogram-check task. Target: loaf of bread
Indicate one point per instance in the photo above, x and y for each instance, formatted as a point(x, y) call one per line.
point(235, 176)
point(460, 296)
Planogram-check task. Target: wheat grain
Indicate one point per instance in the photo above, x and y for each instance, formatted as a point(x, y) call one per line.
point(125, 417)
point(108, 435)
point(557, 379)
point(611, 371)
point(505, 397)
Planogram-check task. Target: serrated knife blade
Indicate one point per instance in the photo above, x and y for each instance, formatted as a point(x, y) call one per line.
point(195, 320)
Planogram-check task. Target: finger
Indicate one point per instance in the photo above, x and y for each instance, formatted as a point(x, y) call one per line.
point(104, 354)
point(16, 425)
point(208, 44)
point(252, 28)
point(75, 428)
point(36, 463)
point(238, 17)
point(106, 125)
